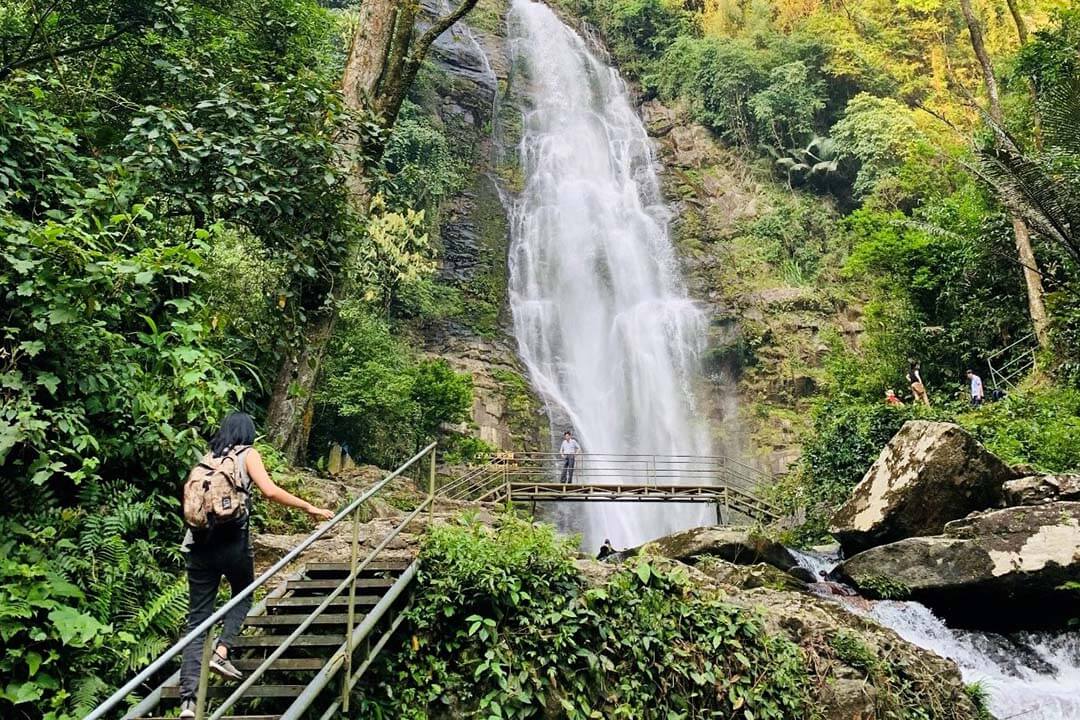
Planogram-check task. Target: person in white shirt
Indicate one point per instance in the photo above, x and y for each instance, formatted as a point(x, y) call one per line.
point(976, 388)
point(568, 451)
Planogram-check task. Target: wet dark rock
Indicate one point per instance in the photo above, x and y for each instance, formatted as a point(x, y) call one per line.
point(998, 570)
point(928, 474)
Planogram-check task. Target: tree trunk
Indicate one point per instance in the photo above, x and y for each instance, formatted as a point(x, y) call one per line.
point(292, 406)
point(1024, 249)
point(384, 57)
point(1033, 279)
point(1018, 19)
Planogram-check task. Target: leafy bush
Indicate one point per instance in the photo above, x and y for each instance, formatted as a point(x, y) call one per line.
point(879, 133)
point(87, 596)
point(786, 107)
point(644, 28)
point(378, 398)
point(1037, 426)
point(504, 626)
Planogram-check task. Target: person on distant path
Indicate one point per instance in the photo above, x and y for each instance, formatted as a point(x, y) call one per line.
point(568, 451)
point(976, 388)
point(914, 379)
point(225, 550)
point(606, 550)
point(891, 399)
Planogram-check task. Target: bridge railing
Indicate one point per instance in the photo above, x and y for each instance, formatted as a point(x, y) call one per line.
point(357, 565)
point(605, 471)
point(602, 468)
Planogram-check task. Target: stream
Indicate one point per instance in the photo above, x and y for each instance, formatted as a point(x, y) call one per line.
point(1029, 676)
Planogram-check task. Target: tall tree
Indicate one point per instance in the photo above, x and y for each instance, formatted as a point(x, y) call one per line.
point(1025, 251)
point(385, 53)
point(1018, 20)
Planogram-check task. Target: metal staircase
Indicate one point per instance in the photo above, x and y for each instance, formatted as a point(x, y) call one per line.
point(320, 625)
point(307, 642)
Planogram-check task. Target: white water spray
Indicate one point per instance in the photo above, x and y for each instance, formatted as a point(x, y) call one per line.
point(611, 340)
point(1031, 676)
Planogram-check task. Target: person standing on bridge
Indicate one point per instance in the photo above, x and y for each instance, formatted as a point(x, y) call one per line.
point(218, 548)
point(568, 451)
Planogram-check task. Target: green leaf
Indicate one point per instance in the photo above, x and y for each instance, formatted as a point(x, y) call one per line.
point(644, 572)
point(75, 628)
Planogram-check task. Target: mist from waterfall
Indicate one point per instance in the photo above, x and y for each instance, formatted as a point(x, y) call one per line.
point(603, 323)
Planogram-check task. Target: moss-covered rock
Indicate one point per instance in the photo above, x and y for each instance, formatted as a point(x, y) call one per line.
point(928, 474)
point(1001, 570)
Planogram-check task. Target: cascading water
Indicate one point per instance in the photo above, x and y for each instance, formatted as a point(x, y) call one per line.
point(1033, 676)
point(606, 329)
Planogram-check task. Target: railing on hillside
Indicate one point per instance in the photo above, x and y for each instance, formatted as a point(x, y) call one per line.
point(1012, 363)
point(354, 635)
point(536, 476)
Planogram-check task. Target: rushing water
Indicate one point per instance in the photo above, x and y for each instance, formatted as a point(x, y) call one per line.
point(1033, 676)
point(610, 338)
point(1029, 676)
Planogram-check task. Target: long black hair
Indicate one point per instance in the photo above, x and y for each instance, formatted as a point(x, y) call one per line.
point(236, 429)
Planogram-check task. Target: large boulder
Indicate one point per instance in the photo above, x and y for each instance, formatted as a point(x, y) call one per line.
point(1039, 489)
point(999, 570)
point(741, 546)
point(928, 474)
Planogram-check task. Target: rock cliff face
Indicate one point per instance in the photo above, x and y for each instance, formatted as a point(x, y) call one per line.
point(468, 69)
point(768, 329)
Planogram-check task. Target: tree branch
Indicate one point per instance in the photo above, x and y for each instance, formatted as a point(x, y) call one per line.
point(7, 70)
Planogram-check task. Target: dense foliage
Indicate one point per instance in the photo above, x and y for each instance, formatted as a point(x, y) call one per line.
point(505, 627)
point(172, 205)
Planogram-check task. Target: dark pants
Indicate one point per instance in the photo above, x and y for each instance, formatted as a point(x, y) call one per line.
point(207, 563)
point(568, 470)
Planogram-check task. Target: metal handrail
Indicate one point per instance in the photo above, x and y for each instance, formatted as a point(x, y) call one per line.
point(118, 696)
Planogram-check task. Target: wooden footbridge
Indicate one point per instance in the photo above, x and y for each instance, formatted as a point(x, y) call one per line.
point(318, 626)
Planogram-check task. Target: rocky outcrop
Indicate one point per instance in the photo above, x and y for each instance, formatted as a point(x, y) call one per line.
point(858, 670)
point(748, 577)
point(734, 545)
point(768, 331)
point(469, 65)
point(928, 474)
point(1039, 489)
point(858, 667)
point(999, 570)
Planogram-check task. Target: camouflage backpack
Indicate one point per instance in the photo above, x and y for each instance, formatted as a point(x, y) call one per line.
point(214, 493)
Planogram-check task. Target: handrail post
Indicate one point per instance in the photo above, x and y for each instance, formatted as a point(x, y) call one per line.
point(204, 677)
point(431, 492)
point(355, 555)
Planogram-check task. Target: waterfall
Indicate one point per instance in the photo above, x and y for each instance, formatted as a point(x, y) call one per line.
point(602, 320)
point(1033, 676)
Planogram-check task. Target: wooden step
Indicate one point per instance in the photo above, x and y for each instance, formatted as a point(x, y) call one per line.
point(313, 601)
point(272, 641)
point(341, 568)
point(287, 664)
point(307, 585)
point(294, 620)
point(264, 691)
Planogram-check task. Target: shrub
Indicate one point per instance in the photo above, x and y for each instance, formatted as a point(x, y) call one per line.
point(378, 398)
point(504, 626)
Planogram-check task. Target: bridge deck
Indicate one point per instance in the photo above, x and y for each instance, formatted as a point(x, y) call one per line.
point(523, 491)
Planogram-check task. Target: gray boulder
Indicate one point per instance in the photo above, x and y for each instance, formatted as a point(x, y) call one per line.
point(741, 546)
point(1039, 489)
point(928, 474)
point(1000, 570)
